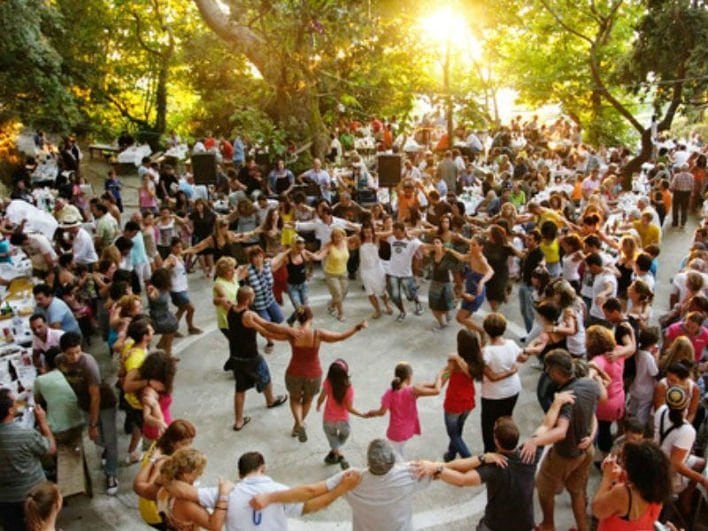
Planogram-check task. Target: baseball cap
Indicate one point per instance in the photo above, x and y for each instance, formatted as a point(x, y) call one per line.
point(380, 457)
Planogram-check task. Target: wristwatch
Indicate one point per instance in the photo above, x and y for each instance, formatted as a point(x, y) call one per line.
point(438, 471)
point(481, 458)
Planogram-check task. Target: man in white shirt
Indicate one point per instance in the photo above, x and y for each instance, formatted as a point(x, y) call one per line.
point(322, 227)
point(265, 513)
point(320, 177)
point(82, 247)
point(383, 499)
point(400, 271)
point(604, 286)
point(39, 250)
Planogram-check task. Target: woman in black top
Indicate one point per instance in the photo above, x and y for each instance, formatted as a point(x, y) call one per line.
point(203, 220)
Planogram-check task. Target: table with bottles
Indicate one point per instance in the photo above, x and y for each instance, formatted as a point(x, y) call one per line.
point(17, 372)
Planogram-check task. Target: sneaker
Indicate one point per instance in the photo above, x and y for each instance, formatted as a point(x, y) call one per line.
point(401, 317)
point(111, 485)
point(331, 459)
point(343, 462)
point(447, 457)
point(418, 309)
point(133, 457)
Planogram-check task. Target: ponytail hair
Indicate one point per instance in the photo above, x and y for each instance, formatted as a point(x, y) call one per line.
point(40, 502)
point(402, 373)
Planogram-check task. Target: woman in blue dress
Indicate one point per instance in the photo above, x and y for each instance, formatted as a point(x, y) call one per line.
point(477, 274)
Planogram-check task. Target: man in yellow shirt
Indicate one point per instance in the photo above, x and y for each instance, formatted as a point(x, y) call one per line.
point(648, 232)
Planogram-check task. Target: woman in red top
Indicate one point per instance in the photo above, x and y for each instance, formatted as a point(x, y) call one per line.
point(304, 373)
point(463, 368)
point(629, 497)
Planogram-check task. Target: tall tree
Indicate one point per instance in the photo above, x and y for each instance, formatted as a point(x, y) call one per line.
point(314, 52)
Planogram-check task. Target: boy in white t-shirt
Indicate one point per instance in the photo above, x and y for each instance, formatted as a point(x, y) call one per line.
point(641, 391)
point(400, 271)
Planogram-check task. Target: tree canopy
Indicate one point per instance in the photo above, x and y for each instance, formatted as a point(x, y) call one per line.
point(284, 70)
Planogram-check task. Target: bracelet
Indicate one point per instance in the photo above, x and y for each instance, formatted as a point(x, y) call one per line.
point(217, 508)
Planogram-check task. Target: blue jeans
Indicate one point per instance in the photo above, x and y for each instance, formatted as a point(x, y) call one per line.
point(397, 284)
point(298, 297)
point(272, 313)
point(526, 303)
point(454, 424)
point(108, 439)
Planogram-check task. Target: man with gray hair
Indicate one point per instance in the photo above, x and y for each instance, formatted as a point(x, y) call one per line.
point(383, 499)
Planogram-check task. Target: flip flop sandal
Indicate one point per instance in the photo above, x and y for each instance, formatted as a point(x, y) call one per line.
point(279, 401)
point(246, 420)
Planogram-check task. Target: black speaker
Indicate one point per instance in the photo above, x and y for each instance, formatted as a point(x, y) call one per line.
point(204, 168)
point(389, 170)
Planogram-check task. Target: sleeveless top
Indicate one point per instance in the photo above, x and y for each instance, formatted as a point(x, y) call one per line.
point(287, 233)
point(551, 251)
point(219, 251)
point(148, 508)
point(230, 289)
point(178, 276)
point(623, 523)
point(145, 199)
point(336, 262)
point(305, 360)
point(296, 272)
point(165, 506)
point(165, 401)
point(576, 343)
point(242, 340)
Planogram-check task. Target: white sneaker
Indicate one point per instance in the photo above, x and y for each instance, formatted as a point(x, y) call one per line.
point(111, 485)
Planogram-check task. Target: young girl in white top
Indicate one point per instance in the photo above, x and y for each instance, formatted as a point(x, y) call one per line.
point(179, 292)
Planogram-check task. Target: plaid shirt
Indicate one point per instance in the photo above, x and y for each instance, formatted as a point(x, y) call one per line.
point(262, 284)
point(682, 182)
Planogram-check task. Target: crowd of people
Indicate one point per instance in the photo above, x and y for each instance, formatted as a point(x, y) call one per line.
point(529, 214)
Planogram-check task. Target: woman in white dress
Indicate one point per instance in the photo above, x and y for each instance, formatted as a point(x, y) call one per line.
point(372, 271)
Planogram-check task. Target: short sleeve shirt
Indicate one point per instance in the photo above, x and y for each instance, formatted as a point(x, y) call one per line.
point(80, 375)
point(579, 415)
point(383, 502)
point(20, 465)
point(134, 361)
point(500, 358)
point(37, 247)
point(403, 414)
point(402, 252)
point(241, 517)
point(59, 312)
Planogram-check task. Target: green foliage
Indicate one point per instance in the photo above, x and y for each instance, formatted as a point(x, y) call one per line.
point(33, 82)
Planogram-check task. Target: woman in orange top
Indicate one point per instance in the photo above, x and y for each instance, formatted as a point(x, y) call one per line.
point(407, 198)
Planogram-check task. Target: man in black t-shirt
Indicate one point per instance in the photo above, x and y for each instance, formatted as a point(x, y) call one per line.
point(509, 479)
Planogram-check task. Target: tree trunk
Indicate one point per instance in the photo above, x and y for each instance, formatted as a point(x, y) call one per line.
point(161, 99)
point(635, 164)
point(301, 104)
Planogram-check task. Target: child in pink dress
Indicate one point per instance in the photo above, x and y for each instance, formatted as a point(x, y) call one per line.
point(400, 401)
point(338, 392)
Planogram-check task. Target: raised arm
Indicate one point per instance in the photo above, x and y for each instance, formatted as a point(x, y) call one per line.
point(333, 337)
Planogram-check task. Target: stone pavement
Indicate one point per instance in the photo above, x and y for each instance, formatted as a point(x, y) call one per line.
point(204, 395)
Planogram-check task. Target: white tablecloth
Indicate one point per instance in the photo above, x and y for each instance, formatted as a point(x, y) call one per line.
point(37, 220)
point(134, 155)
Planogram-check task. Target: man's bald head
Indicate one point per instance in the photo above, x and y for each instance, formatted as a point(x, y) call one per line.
point(244, 295)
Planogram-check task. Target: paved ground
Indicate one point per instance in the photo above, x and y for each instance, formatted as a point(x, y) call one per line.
point(203, 394)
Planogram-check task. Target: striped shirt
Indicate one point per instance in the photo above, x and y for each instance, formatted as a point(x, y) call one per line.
point(20, 465)
point(682, 182)
point(262, 284)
